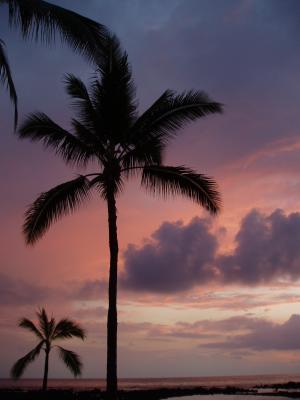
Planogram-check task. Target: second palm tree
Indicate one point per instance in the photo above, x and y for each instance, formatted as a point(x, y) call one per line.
point(109, 131)
point(47, 332)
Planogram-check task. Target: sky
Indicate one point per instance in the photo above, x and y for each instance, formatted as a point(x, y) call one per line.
point(220, 294)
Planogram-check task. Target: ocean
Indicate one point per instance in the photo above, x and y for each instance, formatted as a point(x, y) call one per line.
point(150, 383)
point(228, 397)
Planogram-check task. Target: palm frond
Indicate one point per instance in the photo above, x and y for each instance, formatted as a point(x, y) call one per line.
point(71, 360)
point(77, 90)
point(51, 327)
point(43, 322)
point(39, 127)
point(172, 181)
point(40, 20)
point(29, 325)
point(6, 78)
point(171, 112)
point(87, 127)
point(114, 95)
point(20, 366)
point(86, 134)
point(50, 206)
point(140, 154)
point(66, 328)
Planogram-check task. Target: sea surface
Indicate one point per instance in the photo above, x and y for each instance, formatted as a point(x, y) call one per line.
point(150, 383)
point(227, 397)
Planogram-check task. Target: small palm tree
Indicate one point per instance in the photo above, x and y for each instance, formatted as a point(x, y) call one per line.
point(40, 20)
point(109, 131)
point(48, 332)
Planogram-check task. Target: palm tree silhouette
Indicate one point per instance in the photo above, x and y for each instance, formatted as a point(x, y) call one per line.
point(41, 21)
point(109, 131)
point(47, 332)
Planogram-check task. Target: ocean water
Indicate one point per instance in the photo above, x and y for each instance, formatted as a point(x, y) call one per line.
point(227, 397)
point(150, 383)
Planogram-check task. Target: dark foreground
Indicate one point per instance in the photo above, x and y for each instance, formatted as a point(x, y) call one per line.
point(154, 394)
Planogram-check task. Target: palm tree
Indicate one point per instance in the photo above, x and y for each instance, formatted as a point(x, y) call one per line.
point(109, 131)
point(41, 21)
point(47, 332)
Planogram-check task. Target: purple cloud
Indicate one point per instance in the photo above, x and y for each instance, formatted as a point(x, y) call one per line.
point(178, 257)
point(236, 333)
point(14, 291)
point(90, 290)
point(283, 336)
point(18, 292)
point(267, 249)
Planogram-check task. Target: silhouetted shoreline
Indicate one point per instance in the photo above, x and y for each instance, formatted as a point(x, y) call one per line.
point(148, 394)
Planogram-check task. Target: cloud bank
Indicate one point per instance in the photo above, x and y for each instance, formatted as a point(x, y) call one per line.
point(285, 336)
point(19, 292)
point(178, 257)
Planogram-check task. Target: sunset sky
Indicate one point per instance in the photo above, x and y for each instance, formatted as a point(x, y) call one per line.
point(198, 295)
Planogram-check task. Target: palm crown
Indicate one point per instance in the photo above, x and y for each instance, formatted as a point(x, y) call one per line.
point(107, 129)
point(47, 332)
point(40, 20)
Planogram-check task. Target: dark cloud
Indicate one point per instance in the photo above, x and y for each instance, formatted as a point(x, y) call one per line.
point(240, 332)
point(14, 291)
point(179, 256)
point(19, 292)
point(90, 290)
point(236, 333)
point(267, 248)
point(232, 324)
point(283, 336)
point(208, 329)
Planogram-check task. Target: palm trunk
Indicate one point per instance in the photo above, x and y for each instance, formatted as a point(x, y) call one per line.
point(112, 321)
point(45, 380)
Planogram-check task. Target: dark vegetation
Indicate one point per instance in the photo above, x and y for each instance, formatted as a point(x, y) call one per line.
point(154, 394)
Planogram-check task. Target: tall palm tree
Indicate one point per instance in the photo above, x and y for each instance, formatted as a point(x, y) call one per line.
point(109, 131)
point(42, 21)
point(47, 332)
